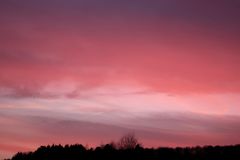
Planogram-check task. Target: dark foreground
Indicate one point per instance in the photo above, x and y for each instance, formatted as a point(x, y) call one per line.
point(110, 152)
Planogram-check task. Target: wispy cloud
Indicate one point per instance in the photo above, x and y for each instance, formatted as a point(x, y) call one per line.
point(112, 64)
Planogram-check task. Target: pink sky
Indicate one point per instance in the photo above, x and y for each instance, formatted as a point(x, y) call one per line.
point(88, 72)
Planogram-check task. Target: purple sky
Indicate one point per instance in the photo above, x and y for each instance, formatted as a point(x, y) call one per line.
point(89, 71)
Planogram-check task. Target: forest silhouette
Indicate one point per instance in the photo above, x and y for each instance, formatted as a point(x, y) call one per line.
point(128, 148)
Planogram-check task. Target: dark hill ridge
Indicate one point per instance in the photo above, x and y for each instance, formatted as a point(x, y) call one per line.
point(114, 152)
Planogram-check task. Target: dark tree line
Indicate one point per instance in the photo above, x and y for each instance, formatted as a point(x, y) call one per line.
point(129, 148)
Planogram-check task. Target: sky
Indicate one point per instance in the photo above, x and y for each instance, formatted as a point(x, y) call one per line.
point(90, 71)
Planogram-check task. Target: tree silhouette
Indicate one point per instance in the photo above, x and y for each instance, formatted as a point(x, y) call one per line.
point(128, 141)
point(128, 147)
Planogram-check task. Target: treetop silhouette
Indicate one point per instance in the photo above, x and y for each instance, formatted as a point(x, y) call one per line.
point(128, 147)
